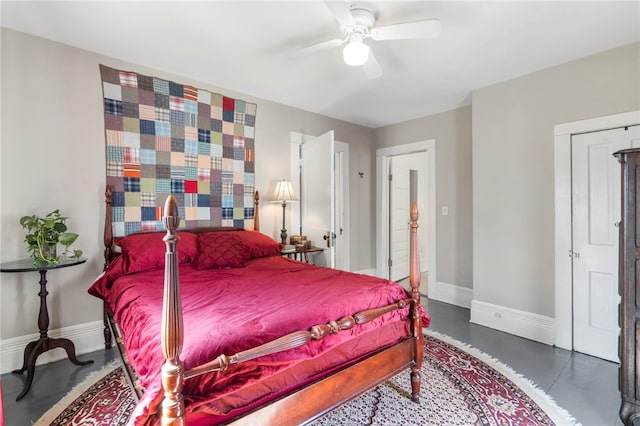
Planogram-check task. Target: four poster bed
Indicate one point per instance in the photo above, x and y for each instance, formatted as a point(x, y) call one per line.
point(248, 336)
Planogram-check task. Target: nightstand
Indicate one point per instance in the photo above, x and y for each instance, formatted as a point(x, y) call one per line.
point(34, 349)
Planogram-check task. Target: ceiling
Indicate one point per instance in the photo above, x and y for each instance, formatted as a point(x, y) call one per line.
point(246, 46)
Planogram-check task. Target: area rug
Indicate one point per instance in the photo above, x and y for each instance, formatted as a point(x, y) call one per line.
point(460, 386)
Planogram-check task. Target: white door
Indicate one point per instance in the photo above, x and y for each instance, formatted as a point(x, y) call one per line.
point(399, 205)
point(317, 201)
point(403, 191)
point(596, 211)
point(341, 213)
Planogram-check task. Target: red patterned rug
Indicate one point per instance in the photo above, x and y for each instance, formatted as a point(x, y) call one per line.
point(460, 386)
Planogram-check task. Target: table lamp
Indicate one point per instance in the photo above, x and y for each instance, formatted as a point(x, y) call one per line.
point(284, 192)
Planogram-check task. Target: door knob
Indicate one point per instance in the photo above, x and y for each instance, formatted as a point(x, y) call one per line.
point(327, 238)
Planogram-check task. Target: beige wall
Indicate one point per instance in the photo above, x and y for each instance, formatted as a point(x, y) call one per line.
point(513, 169)
point(52, 156)
point(452, 133)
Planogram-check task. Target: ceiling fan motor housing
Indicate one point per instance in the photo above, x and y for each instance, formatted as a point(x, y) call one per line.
point(363, 19)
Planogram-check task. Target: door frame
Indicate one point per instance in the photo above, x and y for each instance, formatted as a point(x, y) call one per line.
point(563, 219)
point(382, 205)
point(297, 139)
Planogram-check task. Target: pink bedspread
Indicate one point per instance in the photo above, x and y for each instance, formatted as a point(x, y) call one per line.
point(230, 310)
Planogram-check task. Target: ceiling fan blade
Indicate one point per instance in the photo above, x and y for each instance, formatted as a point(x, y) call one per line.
point(340, 9)
point(314, 48)
point(372, 68)
point(420, 29)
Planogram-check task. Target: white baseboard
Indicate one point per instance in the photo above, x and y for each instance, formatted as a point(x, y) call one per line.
point(452, 294)
point(87, 337)
point(520, 323)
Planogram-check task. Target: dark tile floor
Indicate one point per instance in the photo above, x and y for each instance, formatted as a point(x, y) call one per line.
point(51, 382)
point(583, 385)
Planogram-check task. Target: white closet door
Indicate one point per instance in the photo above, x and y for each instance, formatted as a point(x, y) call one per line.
point(596, 212)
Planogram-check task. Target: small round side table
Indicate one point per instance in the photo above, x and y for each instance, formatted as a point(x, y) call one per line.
point(34, 349)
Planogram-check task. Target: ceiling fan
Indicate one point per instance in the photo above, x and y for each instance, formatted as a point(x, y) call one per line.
point(357, 23)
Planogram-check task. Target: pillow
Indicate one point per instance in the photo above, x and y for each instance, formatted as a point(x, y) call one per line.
point(146, 251)
point(219, 250)
point(258, 244)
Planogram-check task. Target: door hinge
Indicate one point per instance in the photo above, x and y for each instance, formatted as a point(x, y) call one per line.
point(390, 177)
point(389, 263)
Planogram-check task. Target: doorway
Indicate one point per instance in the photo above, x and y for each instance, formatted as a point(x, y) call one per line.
point(578, 179)
point(407, 185)
point(427, 211)
point(338, 221)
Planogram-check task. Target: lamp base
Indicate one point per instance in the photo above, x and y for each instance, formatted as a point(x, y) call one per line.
point(283, 231)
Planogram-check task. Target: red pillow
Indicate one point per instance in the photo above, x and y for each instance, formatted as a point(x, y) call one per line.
point(219, 250)
point(146, 251)
point(258, 244)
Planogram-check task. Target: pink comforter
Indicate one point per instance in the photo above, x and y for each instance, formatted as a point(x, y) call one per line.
point(230, 310)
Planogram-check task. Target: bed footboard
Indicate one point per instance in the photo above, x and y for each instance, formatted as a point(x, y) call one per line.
point(312, 402)
point(408, 353)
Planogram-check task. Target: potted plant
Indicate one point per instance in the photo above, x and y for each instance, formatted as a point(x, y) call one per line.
point(44, 234)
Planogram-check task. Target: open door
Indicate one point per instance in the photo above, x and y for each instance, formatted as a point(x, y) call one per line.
point(318, 196)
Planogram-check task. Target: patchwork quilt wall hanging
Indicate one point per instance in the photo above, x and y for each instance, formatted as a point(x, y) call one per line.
point(167, 138)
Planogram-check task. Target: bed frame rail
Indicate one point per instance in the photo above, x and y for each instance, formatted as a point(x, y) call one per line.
point(295, 339)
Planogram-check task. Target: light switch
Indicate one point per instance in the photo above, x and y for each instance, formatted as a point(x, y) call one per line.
point(445, 211)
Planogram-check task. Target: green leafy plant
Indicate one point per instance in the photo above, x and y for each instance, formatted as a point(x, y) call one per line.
point(44, 234)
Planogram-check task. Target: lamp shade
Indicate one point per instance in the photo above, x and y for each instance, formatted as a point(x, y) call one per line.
point(284, 191)
point(355, 53)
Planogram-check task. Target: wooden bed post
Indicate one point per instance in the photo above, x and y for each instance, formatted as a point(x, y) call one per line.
point(173, 411)
point(256, 212)
point(108, 229)
point(108, 255)
point(416, 319)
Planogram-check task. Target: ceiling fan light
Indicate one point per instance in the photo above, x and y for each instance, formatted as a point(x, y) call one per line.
point(355, 53)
